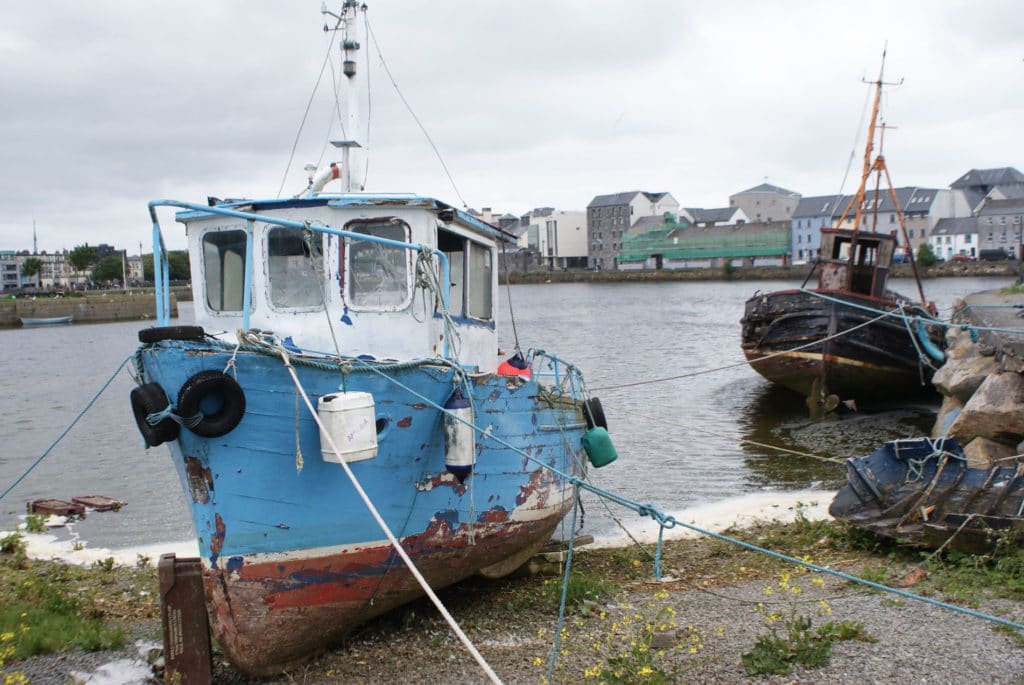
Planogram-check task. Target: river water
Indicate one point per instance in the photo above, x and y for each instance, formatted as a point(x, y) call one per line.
point(682, 443)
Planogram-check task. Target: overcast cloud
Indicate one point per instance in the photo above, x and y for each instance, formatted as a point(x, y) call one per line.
point(106, 105)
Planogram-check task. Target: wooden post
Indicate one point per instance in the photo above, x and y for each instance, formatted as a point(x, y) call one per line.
point(185, 625)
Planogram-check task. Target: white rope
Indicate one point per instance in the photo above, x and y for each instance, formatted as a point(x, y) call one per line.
point(384, 527)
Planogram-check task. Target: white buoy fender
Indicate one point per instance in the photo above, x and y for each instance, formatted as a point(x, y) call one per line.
point(459, 438)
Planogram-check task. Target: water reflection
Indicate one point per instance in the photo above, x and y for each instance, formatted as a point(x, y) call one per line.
point(813, 450)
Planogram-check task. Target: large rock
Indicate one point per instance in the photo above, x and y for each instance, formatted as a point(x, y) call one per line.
point(995, 411)
point(948, 413)
point(961, 377)
point(981, 453)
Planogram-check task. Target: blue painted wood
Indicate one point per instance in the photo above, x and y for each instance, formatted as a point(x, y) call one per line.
point(260, 501)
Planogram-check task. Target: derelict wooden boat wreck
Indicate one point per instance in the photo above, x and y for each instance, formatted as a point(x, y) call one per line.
point(922, 492)
point(850, 337)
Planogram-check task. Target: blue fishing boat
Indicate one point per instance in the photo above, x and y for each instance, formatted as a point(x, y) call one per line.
point(342, 421)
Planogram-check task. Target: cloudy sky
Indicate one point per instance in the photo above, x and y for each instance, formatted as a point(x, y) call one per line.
point(105, 105)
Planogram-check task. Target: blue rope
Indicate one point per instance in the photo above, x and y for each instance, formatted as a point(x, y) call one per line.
point(665, 521)
point(669, 522)
point(168, 412)
point(565, 585)
point(69, 427)
point(929, 321)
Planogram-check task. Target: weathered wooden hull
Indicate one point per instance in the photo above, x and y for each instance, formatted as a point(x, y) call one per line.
point(292, 558)
point(855, 358)
point(923, 493)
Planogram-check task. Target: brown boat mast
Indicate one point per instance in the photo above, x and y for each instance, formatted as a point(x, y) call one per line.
point(877, 167)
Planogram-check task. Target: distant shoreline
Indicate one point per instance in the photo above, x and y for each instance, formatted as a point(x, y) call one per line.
point(759, 273)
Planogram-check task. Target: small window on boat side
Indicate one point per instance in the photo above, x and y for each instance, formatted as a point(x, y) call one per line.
point(472, 270)
point(378, 276)
point(224, 270)
point(454, 247)
point(295, 267)
point(481, 268)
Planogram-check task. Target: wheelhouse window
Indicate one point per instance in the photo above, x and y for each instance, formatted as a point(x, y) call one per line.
point(224, 270)
point(295, 267)
point(480, 271)
point(472, 272)
point(378, 276)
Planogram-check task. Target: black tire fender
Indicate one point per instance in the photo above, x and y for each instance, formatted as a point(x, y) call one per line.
point(593, 413)
point(158, 333)
point(214, 396)
point(149, 399)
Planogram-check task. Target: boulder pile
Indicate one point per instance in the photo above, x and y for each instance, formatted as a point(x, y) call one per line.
point(982, 385)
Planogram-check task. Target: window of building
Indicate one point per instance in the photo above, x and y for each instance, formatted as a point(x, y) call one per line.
point(224, 269)
point(967, 238)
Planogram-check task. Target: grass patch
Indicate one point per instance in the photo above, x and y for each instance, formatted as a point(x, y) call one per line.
point(584, 590)
point(47, 607)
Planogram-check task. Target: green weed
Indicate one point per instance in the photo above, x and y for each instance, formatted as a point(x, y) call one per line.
point(35, 523)
point(798, 641)
point(583, 588)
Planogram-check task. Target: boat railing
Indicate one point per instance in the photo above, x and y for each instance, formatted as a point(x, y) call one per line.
point(161, 263)
point(566, 377)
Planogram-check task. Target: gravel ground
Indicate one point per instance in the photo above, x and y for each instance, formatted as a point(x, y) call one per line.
point(710, 629)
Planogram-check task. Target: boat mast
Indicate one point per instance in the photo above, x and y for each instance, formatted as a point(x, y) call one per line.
point(347, 105)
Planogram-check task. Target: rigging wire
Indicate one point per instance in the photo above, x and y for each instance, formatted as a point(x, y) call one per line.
point(853, 153)
point(508, 292)
point(701, 372)
point(305, 113)
point(415, 118)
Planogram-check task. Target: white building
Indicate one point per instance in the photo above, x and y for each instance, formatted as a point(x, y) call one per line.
point(560, 236)
point(952, 237)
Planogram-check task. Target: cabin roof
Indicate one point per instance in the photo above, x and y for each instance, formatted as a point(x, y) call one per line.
point(361, 200)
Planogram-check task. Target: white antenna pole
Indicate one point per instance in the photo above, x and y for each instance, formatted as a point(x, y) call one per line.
point(349, 105)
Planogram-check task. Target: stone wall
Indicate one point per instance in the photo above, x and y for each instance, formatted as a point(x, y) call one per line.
point(90, 309)
point(982, 387)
